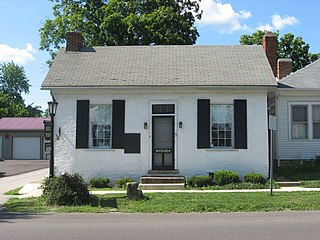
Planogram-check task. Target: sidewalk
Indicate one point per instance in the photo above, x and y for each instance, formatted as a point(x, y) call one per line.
point(34, 178)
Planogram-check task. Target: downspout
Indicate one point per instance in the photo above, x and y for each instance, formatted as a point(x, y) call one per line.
point(277, 131)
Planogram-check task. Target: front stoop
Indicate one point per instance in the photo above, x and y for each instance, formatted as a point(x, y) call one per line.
point(162, 181)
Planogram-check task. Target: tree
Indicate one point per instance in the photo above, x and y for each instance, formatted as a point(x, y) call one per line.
point(13, 82)
point(288, 47)
point(122, 22)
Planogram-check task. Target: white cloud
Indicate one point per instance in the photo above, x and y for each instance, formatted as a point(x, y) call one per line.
point(279, 23)
point(223, 16)
point(17, 55)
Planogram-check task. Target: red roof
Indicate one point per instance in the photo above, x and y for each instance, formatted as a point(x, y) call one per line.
point(22, 123)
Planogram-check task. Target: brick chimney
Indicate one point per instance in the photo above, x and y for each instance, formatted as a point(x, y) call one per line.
point(284, 67)
point(74, 41)
point(269, 43)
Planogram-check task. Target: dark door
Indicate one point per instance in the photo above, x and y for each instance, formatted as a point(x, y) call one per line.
point(163, 143)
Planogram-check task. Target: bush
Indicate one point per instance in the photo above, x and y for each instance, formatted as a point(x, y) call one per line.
point(225, 177)
point(254, 178)
point(199, 181)
point(67, 189)
point(99, 182)
point(122, 182)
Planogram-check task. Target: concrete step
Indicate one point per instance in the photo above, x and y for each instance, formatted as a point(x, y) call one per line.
point(163, 172)
point(166, 186)
point(289, 184)
point(162, 179)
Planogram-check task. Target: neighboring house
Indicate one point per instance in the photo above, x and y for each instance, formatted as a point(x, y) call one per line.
point(130, 110)
point(22, 138)
point(298, 114)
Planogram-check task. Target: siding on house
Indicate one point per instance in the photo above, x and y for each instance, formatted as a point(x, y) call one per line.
point(294, 149)
point(189, 160)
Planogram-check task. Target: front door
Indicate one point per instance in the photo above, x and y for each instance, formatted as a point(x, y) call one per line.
point(163, 142)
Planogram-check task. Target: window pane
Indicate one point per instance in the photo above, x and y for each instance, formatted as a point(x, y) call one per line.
point(100, 122)
point(299, 113)
point(299, 131)
point(222, 120)
point(316, 113)
point(316, 130)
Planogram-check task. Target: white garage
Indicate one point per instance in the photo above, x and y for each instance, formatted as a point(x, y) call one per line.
point(26, 147)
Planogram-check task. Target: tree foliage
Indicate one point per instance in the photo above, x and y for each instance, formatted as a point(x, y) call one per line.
point(13, 82)
point(289, 46)
point(122, 22)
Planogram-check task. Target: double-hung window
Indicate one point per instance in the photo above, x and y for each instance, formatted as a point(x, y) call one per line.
point(305, 121)
point(221, 125)
point(299, 125)
point(316, 121)
point(100, 126)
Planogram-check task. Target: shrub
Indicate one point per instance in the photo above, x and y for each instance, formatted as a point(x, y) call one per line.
point(199, 181)
point(99, 182)
point(67, 189)
point(254, 178)
point(225, 177)
point(122, 182)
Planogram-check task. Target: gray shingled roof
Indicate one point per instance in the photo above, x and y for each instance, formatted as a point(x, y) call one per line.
point(305, 78)
point(161, 66)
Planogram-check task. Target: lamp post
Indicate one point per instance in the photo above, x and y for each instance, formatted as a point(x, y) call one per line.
point(52, 111)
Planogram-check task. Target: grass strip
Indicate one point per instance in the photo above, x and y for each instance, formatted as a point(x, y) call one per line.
point(13, 191)
point(180, 203)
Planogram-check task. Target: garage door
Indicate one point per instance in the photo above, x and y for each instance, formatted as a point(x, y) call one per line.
point(26, 148)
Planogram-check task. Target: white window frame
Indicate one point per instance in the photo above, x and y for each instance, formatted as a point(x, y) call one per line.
point(90, 127)
point(309, 120)
point(232, 127)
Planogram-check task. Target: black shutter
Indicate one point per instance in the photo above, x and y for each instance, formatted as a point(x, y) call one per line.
point(132, 143)
point(240, 124)
point(118, 111)
point(203, 128)
point(82, 127)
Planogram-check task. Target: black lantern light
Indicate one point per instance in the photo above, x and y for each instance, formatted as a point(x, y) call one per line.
point(52, 111)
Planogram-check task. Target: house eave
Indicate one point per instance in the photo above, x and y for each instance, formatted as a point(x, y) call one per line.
point(182, 87)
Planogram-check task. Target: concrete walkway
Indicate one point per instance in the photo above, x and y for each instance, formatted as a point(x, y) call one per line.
point(33, 178)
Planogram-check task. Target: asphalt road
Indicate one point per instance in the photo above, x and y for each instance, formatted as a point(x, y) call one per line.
point(223, 226)
point(14, 167)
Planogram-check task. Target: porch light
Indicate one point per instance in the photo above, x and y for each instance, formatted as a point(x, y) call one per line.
point(52, 111)
point(145, 125)
point(52, 107)
point(180, 124)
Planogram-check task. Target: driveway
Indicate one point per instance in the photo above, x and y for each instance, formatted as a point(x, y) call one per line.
point(15, 167)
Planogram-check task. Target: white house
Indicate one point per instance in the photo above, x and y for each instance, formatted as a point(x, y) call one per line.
point(298, 114)
point(125, 111)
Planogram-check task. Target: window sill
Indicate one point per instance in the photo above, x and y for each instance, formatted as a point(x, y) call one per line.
point(99, 149)
point(222, 149)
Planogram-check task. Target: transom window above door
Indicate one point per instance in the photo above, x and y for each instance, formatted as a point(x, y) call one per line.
point(163, 109)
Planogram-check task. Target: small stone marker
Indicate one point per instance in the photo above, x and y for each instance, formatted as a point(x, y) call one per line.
point(132, 191)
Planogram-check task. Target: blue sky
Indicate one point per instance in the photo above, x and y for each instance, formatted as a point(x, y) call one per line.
point(223, 23)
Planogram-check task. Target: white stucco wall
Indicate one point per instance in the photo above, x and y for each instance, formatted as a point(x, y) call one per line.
point(189, 160)
point(294, 149)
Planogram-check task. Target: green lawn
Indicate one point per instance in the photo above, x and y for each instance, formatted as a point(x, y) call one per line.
point(13, 191)
point(182, 202)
